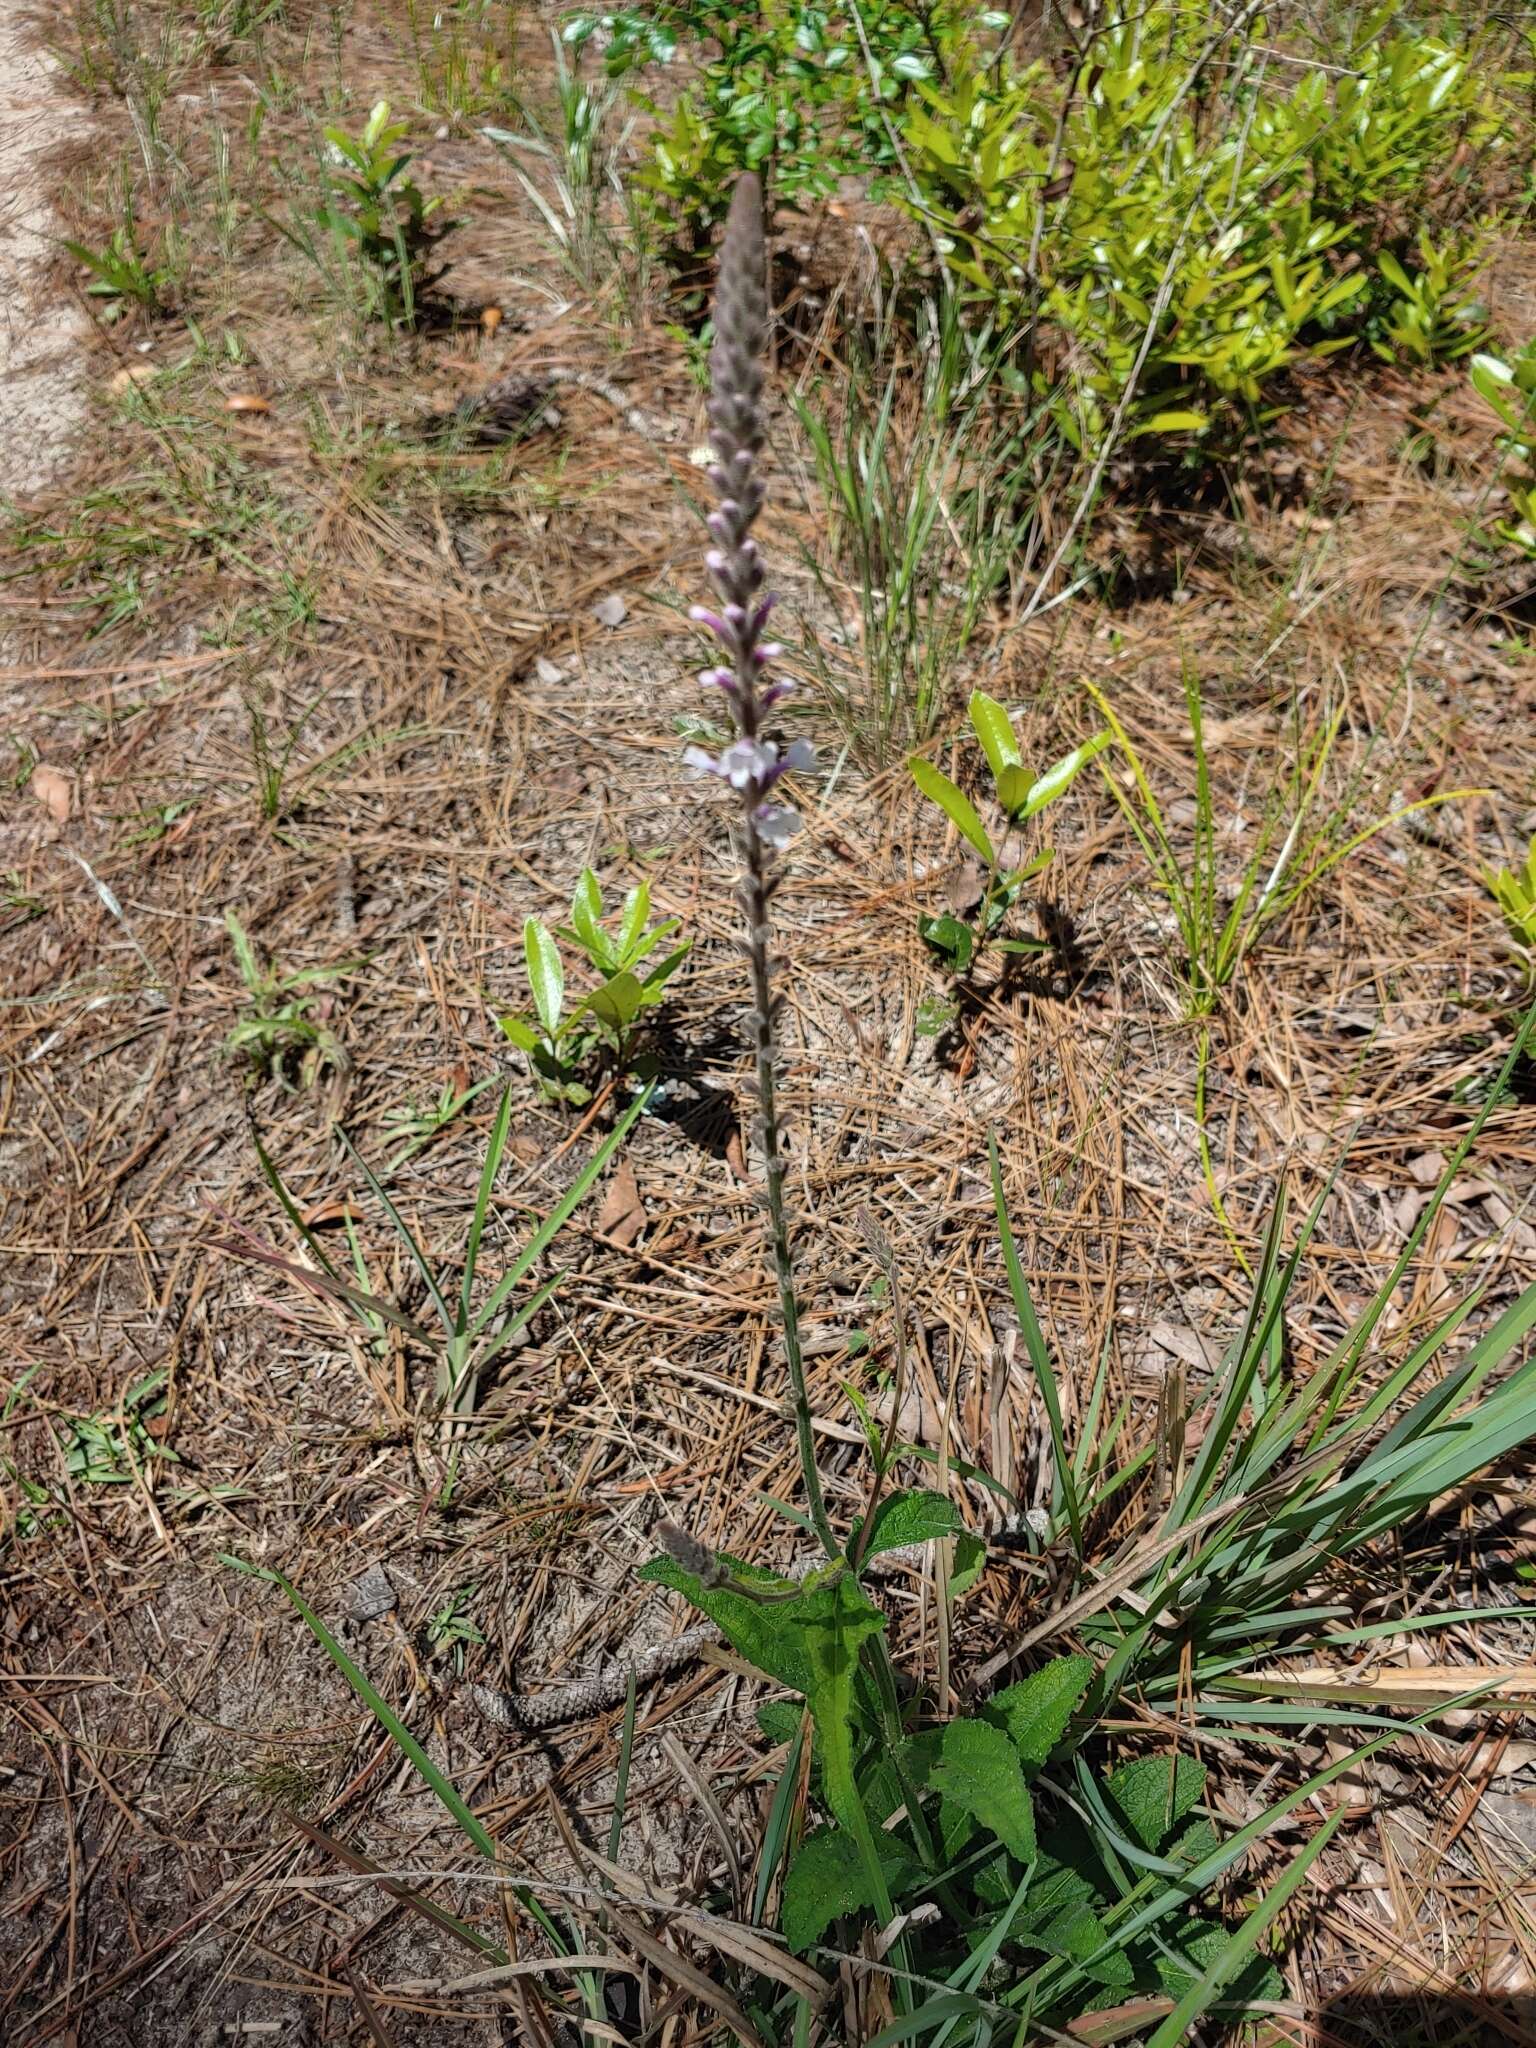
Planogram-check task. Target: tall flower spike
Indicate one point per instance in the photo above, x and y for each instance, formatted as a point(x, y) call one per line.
point(753, 765)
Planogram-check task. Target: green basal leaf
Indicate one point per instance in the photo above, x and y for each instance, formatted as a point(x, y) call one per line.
point(829, 1878)
point(770, 1635)
point(1035, 1712)
point(546, 976)
point(979, 1771)
point(957, 807)
point(1153, 1794)
point(1187, 1952)
point(915, 1517)
point(1079, 1934)
point(995, 731)
point(780, 1720)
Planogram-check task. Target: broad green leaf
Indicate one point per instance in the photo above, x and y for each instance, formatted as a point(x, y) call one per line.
point(828, 1878)
point(587, 918)
point(1058, 779)
point(915, 1517)
point(979, 1770)
point(1153, 1795)
point(957, 807)
point(836, 1620)
point(970, 1563)
point(780, 1720)
point(1035, 1712)
point(546, 976)
point(995, 732)
point(767, 1634)
point(618, 1002)
point(1231, 1961)
point(1079, 1934)
point(1187, 1953)
point(521, 1033)
point(950, 936)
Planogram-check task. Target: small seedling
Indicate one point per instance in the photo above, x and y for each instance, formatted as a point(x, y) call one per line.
point(111, 1449)
point(559, 1043)
point(450, 1631)
point(960, 941)
point(282, 1040)
point(373, 211)
point(1509, 390)
point(122, 274)
point(412, 1128)
point(1514, 890)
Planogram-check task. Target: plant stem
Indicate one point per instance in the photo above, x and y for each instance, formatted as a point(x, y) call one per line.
point(755, 894)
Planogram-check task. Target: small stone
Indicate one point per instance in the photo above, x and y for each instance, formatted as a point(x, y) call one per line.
point(547, 672)
point(611, 610)
point(372, 1596)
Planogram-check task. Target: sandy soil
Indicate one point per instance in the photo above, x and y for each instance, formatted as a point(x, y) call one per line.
point(42, 397)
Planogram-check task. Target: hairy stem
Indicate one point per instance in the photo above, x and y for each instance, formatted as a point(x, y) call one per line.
point(755, 895)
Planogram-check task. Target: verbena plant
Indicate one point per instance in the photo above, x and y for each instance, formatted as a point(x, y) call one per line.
point(960, 940)
point(929, 1828)
point(980, 1876)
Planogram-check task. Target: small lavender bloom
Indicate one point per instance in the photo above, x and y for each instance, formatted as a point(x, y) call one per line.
point(777, 824)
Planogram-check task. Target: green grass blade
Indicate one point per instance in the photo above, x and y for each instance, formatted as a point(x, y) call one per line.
point(276, 1183)
point(1034, 1344)
point(563, 1210)
point(402, 1231)
point(776, 1834)
point(1225, 1967)
point(493, 1156)
point(473, 1830)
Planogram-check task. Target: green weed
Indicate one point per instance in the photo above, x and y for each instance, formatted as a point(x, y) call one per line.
point(559, 1043)
point(1514, 890)
point(1297, 844)
point(281, 1036)
point(959, 941)
point(373, 233)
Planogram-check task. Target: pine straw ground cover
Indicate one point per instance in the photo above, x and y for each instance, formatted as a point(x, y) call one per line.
point(364, 681)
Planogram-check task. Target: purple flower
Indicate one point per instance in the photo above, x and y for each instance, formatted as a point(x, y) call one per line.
point(752, 765)
point(777, 824)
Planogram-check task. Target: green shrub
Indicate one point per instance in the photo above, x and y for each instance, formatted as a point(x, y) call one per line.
point(814, 86)
point(1130, 233)
point(1509, 390)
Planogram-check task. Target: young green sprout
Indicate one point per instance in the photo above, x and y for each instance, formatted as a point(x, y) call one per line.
point(959, 941)
point(1514, 890)
point(558, 1042)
